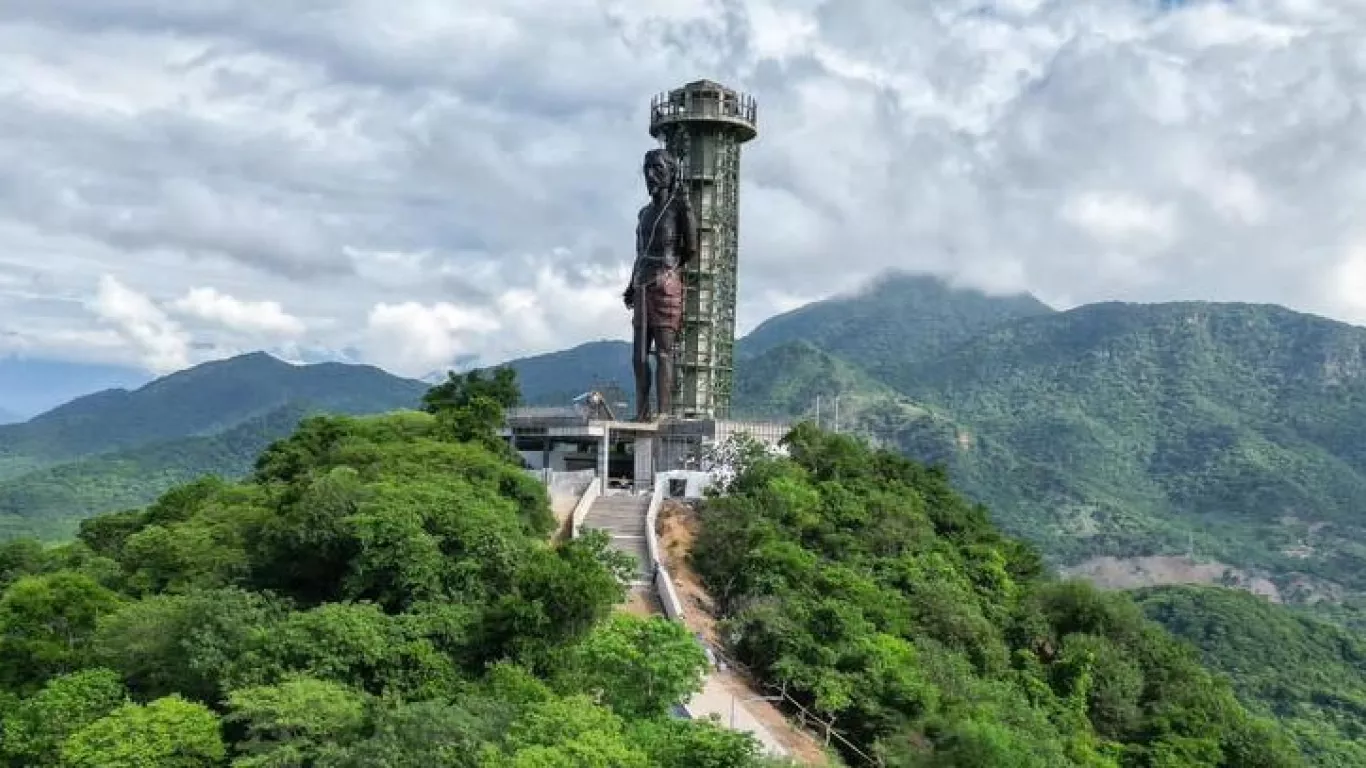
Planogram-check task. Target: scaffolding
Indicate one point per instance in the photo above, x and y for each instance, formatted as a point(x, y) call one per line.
point(703, 124)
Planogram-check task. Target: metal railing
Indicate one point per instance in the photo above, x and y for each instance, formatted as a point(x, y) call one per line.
point(688, 104)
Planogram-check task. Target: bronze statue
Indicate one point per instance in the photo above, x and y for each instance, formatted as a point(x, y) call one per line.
point(666, 239)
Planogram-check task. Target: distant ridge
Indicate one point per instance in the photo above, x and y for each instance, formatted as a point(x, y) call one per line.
point(202, 400)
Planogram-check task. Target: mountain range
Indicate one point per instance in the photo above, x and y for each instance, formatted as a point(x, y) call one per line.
point(120, 448)
point(1107, 434)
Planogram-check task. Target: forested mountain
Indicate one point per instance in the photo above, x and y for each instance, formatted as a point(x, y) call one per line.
point(378, 593)
point(558, 377)
point(50, 502)
point(384, 591)
point(1130, 429)
point(120, 448)
point(202, 400)
point(898, 318)
point(1308, 673)
point(891, 607)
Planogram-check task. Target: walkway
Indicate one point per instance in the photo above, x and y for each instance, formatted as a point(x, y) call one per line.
point(716, 699)
point(623, 517)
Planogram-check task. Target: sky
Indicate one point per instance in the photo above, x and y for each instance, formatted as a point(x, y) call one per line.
point(428, 183)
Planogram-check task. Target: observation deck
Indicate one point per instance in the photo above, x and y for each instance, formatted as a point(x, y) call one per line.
point(707, 104)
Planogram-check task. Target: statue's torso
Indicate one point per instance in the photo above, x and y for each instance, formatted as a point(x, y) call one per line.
point(658, 234)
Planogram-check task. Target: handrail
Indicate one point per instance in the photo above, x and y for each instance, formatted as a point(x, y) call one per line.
point(585, 503)
point(663, 582)
point(830, 731)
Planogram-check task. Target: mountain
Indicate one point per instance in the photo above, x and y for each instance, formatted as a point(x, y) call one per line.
point(202, 400)
point(29, 386)
point(558, 377)
point(49, 503)
point(1124, 429)
point(1309, 674)
point(898, 318)
point(120, 448)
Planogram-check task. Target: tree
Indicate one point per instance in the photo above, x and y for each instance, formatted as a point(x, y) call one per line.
point(46, 623)
point(462, 391)
point(35, 731)
point(168, 733)
point(637, 667)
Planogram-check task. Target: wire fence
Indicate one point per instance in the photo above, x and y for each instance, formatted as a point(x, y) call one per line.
point(804, 714)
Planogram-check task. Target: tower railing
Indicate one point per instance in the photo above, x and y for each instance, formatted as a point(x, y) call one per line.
point(734, 106)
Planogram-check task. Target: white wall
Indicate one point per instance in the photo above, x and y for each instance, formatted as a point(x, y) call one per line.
point(696, 483)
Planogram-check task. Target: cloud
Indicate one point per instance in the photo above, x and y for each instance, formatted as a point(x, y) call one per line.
point(267, 318)
point(413, 205)
point(161, 344)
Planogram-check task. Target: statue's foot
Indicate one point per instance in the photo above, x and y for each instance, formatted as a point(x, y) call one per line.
point(644, 417)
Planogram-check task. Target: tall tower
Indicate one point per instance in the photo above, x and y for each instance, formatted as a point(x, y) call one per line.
point(703, 124)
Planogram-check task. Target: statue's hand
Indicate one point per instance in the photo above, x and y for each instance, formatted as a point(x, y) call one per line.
point(629, 297)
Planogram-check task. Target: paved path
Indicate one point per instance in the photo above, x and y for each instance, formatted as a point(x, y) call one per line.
point(716, 699)
point(623, 517)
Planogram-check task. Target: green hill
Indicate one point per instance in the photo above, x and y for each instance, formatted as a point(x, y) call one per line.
point(119, 448)
point(1125, 429)
point(49, 503)
point(1308, 673)
point(897, 319)
point(864, 586)
point(378, 593)
point(785, 381)
point(557, 378)
point(202, 400)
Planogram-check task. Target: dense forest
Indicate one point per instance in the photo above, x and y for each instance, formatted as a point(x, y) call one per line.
point(862, 583)
point(1308, 673)
point(381, 591)
point(385, 591)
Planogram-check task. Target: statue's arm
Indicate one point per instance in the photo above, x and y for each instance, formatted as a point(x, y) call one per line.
point(687, 228)
point(629, 294)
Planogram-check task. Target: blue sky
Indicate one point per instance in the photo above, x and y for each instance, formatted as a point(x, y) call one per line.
point(409, 184)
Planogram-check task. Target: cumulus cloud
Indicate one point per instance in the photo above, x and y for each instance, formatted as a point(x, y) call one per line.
point(161, 344)
point(267, 318)
point(418, 206)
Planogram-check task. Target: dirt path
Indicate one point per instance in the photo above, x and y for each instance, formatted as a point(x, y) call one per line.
point(677, 527)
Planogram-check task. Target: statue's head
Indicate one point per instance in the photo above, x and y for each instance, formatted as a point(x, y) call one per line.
point(660, 170)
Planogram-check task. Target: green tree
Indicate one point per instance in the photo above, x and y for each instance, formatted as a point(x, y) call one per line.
point(46, 623)
point(35, 730)
point(167, 733)
point(637, 667)
point(302, 721)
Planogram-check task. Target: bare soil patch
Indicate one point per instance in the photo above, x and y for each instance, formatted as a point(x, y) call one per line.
point(1135, 572)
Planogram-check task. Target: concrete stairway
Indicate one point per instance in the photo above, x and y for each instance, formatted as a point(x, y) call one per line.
point(623, 517)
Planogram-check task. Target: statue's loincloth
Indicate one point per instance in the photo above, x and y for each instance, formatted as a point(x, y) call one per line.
point(663, 302)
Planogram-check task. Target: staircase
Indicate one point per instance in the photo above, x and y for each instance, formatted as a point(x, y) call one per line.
point(623, 517)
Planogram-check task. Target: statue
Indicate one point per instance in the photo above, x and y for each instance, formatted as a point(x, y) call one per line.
point(666, 239)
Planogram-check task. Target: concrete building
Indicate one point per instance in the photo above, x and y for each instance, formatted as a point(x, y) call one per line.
point(626, 453)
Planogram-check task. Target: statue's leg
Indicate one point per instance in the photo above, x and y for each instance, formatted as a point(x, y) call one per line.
point(664, 368)
point(640, 359)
